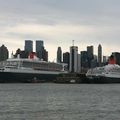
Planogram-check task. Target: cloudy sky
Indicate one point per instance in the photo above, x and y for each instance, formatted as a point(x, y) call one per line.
point(58, 22)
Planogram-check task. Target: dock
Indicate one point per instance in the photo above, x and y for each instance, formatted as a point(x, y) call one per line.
point(70, 78)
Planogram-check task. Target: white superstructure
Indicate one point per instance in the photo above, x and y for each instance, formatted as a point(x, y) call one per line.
point(108, 71)
point(32, 66)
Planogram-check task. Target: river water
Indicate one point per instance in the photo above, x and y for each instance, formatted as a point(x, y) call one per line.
point(49, 101)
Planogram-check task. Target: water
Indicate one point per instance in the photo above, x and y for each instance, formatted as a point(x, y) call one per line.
point(59, 101)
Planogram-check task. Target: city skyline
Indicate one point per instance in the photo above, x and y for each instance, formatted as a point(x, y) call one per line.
point(57, 23)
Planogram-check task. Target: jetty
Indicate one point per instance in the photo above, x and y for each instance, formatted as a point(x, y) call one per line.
point(71, 78)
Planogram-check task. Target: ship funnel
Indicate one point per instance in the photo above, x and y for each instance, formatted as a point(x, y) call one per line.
point(31, 55)
point(111, 60)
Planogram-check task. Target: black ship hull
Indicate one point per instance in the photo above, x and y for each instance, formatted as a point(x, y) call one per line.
point(102, 80)
point(10, 77)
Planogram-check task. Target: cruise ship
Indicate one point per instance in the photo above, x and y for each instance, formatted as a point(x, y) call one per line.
point(29, 70)
point(107, 74)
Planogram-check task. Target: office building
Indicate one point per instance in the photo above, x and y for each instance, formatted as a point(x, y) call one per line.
point(44, 54)
point(59, 55)
point(41, 52)
point(39, 45)
point(79, 64)
point(90, 55)
point(4, 53)
point(28, 46)
point(73, 59)
point(84, 61)
point(105, 60)
point(39, 48)
point(66, 58)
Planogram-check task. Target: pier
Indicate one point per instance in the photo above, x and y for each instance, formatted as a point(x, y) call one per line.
point(71, 78)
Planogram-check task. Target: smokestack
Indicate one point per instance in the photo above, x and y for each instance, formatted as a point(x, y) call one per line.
point(111, 60)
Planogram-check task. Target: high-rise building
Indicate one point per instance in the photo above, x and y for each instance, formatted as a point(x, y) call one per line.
point(79, 63)
point(39, 48)
point(94, 62)
point(90, 50)
point(4, 53)
point(59, 55)
point(73, 59)
point(99, 55)
point(29, 45)
point(39, 45)
point(84, 61)
point(105, 60)
point(44, 54)
point(41, 51)
point(66, 58)
point(90, 55)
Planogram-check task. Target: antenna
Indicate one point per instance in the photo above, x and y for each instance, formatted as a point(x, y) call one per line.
point(73, 42)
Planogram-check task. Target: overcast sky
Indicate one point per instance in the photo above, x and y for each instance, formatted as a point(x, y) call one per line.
point(58, 22)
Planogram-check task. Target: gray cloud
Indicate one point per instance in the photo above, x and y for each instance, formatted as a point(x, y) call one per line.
point(87, 21)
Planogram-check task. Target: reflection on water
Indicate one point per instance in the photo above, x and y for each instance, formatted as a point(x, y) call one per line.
point(59, 101)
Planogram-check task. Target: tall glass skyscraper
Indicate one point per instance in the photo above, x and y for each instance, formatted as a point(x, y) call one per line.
point(28, 45)
point(39, 45)
point(39, 48)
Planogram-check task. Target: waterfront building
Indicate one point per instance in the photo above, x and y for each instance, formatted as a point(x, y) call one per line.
point(99, 55)
point(73, 59)
point(4, 53)
point(28, 45)
point(59, 55)
point(66, 58)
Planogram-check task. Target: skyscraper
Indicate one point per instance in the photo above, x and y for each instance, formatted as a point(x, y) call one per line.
point(41, 52)
point(3, 53)
point(84, 61)
point(66, 58)
point(99, 55)
point(28, 45)
point(90, 50)
point(90, 55)
point(39, 48)
point(59, 55)
point(44, 54)
point(73, 59)
point(39, 45)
